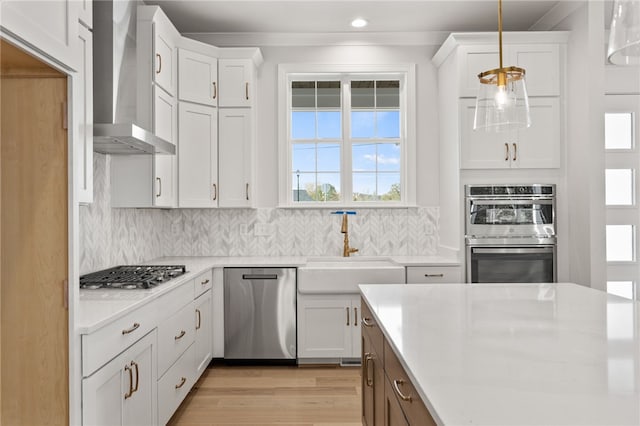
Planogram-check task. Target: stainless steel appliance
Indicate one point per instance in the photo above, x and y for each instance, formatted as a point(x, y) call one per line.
point(260, 314)
point(510, 233)
point(131, 277)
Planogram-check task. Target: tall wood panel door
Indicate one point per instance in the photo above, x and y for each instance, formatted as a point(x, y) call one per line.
point(34, 242)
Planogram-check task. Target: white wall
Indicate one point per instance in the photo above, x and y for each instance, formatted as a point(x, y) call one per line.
point(267, 130)
point(585, 145)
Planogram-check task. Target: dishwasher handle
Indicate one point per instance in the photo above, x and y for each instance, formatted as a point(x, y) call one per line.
point(259, 276)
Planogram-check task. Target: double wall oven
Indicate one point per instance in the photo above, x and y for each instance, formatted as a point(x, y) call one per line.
point(510, 233)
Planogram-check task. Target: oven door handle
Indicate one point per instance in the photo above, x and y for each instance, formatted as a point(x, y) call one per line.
point(519, 250)
point(494, 202)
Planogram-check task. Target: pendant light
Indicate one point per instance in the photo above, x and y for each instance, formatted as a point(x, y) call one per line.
point(502, 102)
point(624, 37)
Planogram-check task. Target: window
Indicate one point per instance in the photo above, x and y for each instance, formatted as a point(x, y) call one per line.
point(344, 138)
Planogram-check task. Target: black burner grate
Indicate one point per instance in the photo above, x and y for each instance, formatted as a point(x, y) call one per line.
point(131, 277)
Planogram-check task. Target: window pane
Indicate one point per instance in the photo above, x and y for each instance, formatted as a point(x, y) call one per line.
point(389, 186)
point(388, 124)
point(621, 288)
point(618, 130)
point(388, 94)
point(364, 187)
point(620, 241)
point(362, 94)
point(388, 157)
point(304, 157)
point(328, 157)
point(303, 125)
point(363, 157)
point(329, 125)
point(327, 188)
point(619, 187)
point(301, 183)
point(303, 94)
point(362, 124)
point(328, 94)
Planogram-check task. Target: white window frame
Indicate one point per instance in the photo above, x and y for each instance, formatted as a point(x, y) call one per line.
point(288, 73)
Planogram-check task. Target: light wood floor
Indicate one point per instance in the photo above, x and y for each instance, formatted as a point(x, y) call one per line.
point(318, 396)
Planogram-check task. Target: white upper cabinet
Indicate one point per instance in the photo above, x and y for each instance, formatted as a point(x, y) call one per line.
point(235, 148)
point(164, 53)
point(197, 78)
point(236, 81)
point(50, 26)
point(536, 147)
point(197, 156)
point(83, 119)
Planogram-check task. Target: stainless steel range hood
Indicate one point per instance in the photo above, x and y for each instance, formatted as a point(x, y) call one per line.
point(115, 129)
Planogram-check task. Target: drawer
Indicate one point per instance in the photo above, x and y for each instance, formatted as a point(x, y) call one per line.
point(434, 274)
point(202, 283)
point(104, 344)
point(174, 385)
point(412, 406)
point(175, 335)
point(371, 328)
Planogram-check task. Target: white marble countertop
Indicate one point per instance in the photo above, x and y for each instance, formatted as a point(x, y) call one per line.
point(509, 354)
point(99, 307)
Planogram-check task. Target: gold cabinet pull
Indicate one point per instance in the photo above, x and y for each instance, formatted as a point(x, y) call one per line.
point(182, 382)
point(246, 90)
point(506, 157)
point(396, 386)
point(246, 191)
point(215, 192)
point(355, 317)
point(515, 152)
point(367, 322)
point(205, 282)
point(130, 370)
point(367, 360)
point(434, 275)
point(180, 336)
point(135, 364)
point(215, 90)
point(159, 70)
point(199, 323)
point(131, 329)
point(348, 316)
point(159, 180)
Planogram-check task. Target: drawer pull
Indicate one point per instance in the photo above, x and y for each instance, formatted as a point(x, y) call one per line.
point(181, 335)
point(396, 386)
point(367, 360)
point(159, 70)
point(135, 364)
point(348, 316)
point(199, 315)
point(215, 90)
point(182, 382)
point(130, 370)
point(434, 275)
point(367, 322)
point(205, 282)
point(133, 328)
point(355, 317)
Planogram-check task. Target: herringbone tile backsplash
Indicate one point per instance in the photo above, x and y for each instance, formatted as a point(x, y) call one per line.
point(111, 237)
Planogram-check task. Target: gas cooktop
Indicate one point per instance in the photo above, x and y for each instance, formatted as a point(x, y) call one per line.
point(131, 277)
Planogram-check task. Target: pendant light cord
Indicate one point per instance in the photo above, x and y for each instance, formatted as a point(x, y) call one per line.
point(500, 29)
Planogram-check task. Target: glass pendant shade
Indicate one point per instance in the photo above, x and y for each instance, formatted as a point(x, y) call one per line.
point(624, 37)
point(502, 103)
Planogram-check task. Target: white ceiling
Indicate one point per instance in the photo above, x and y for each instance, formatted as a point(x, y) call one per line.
point(322, 16)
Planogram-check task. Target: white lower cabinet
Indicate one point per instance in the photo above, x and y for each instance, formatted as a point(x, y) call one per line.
point(204, 332)
point(174, 385)
point(123, 392)
point(328, 326)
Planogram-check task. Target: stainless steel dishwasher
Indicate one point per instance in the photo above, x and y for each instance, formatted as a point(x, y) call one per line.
point(260, 314)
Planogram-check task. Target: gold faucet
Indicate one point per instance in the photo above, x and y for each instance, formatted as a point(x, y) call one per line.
point(346, 250)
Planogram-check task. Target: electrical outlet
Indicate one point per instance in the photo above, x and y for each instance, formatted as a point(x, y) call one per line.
point(264, 229)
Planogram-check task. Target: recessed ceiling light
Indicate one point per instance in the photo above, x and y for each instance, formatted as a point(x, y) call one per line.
point(359, 23)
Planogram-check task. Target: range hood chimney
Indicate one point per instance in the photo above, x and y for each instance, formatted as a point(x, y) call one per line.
point(114, 76)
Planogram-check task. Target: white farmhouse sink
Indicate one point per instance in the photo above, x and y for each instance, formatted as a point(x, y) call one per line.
point(343, 274)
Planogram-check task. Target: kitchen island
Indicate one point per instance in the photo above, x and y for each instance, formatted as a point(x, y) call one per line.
point(509, 354)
